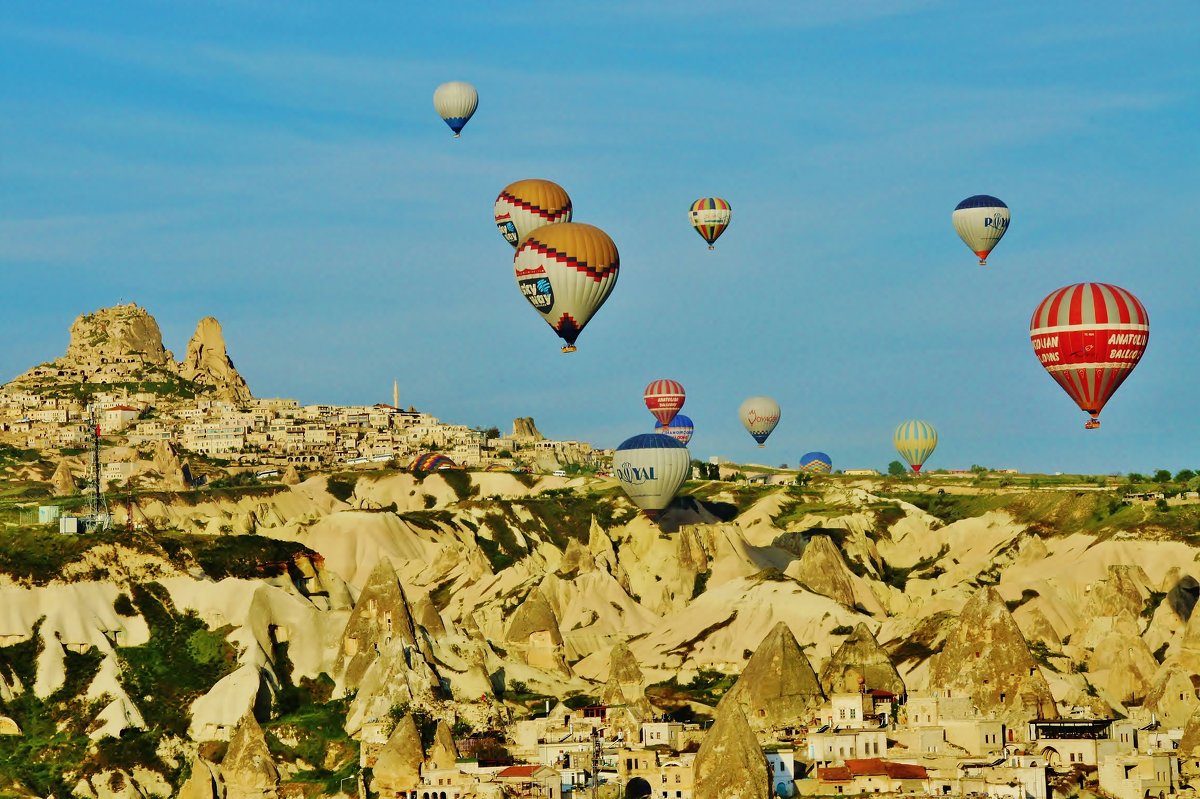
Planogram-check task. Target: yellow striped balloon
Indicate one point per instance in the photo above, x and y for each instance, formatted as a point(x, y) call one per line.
point(526, 205)
point(566, 272)
point(710, 216)
point(915, 441)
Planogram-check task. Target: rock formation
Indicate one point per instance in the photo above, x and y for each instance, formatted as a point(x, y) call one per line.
point(168, 464)
point(398, 766)
point(1189, 746)
point(987, 659)
point(290, 476)
point(381, 614)
point(535, 628)
point(203, 782)
point(442, 753)
point(730, 763)
point(116, 334)
point(525, 430)
point(861, 656)
point(778, 687)
point(248, 768)
point(62, 481)
point(207, 363)
point(1172, 697)
point(824, 571)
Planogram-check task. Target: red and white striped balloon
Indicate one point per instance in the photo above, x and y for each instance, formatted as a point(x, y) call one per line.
point(1089, 337)
point(664, 398)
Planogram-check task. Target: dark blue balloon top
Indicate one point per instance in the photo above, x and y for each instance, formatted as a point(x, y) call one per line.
point(809, 457)
point(981, 201)
point(650, 441)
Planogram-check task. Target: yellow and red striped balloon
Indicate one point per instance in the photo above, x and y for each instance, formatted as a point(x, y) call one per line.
point(526, 205)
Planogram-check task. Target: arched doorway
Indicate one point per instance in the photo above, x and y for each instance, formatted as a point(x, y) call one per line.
point(637, 788)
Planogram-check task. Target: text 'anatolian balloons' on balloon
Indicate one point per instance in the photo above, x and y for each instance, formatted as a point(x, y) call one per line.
point(527, 205)
point(651, 468)
point(664, 398)
point(566, 272)
point(759, 416)
point(1089, 337)
point(816, 463)
point(455, 102)
point(680, 429)
point(710, 216)
point(981, 222)
point(915, 441)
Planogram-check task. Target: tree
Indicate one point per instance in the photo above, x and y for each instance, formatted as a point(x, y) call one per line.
point(896, 469)
point(1184, 476)
point(1162, 476)
point(977, 469)
point(1134, 478)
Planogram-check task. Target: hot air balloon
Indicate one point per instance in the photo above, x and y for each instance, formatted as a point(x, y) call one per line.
point(759, 415)
point(651, 467)
point(816, 463)
point(710, 216)
point(566, 272)
point(680, 429)
point(915, 441)
point(455, 102)
point(664, 398)
point(1089, 336)
point(981, 221)
point(526, 205)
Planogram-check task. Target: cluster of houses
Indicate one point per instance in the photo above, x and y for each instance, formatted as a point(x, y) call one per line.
point(270, 431)
point(871, 742)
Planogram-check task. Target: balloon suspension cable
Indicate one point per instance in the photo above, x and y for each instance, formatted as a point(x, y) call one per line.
point(569, 348)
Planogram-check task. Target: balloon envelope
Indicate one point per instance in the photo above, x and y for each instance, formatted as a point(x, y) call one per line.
point(710, 216)
point(566, 272)
point(680, 429)
point(981, 222)
point(759, 416)
point(651, 467)
point(816, 462)
point(526, 205)
point(455, 103)
point(915, 441)
point(664, 398)
point(1089, 337)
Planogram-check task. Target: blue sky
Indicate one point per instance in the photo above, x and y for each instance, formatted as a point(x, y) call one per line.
point(279, 166)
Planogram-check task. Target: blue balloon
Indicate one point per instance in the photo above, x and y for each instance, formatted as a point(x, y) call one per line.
point(816, 462)
point(680, 429)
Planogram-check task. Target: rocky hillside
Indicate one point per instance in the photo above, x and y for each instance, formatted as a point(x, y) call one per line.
point(122, 347)
point(257, 636)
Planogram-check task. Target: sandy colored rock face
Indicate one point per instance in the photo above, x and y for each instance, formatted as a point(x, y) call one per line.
point(248, 768)
point(860, 655)
point(778, 687)
point(381, 614)
point(442, 753)
point(987, 659)
point(398, 766)
point(209, 364)
point(823, 570)
point(63, 482)
point(524, 428)
point(114, 333)
point(730, 763)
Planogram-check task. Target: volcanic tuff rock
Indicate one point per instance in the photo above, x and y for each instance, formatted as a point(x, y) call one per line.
point(204, 783)
point(442, 753)
point(116, 333)
point(62, 481)
point(730, 763)
point(778, 687)
point(290, 476)
point(824, 571)
point(860, 657)
point(1189, 746)
point(987, 659)
point(248, 768)
point(398, 766)
point(525, 429)
point(381, 614)
point(1172, 696)
point(207, 363)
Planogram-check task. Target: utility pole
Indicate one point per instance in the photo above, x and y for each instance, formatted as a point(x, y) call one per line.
point(95, 466)
point(597, 742)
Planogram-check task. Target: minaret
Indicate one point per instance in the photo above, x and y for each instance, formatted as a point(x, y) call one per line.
point(396, 394)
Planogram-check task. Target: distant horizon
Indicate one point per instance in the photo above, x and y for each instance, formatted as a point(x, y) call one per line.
point(284, 171)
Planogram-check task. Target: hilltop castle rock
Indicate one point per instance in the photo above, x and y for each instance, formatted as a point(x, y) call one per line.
point(123, 344)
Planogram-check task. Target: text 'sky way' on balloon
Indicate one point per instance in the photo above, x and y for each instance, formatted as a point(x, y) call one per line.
point(816, 463)
point(680, 429)
point(455, 102)
point(915, 441)
point(981, 222)
point(759, 416)
point(710, 216)
point(566, 272)
point(1089, 337)
point(651, 467)
point(664, 398)
point(526, 205)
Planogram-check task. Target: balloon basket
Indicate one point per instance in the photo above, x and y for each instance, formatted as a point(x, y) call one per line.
point(458, 135)
point(712, 247)
point(1091, 424)
point(569, 348)
point(983, 262)
point(762, 446)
